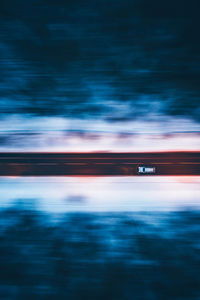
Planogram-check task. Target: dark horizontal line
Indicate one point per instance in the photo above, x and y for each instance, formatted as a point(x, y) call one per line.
point(98, 164)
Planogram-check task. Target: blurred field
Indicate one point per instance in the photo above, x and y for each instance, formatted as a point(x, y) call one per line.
point(99, 255)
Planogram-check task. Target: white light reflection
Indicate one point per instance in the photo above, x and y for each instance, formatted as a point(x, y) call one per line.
point(101, 194)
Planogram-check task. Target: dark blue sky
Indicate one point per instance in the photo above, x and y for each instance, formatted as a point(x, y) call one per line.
point(116, 60)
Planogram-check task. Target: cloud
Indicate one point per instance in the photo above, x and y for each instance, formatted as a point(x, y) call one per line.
point(91, 60)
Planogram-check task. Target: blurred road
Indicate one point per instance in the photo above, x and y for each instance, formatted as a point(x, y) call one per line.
point(98, 164)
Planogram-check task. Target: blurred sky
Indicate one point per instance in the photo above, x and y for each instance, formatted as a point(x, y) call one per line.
point(110, 68)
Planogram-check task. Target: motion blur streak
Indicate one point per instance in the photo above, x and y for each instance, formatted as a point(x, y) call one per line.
point(98, 164)
point(102, 194)
point(99, 75)
point(99, 256)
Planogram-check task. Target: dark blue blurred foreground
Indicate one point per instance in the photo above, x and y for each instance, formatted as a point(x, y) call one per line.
point(99, 256)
